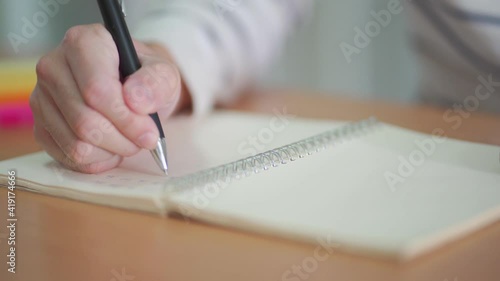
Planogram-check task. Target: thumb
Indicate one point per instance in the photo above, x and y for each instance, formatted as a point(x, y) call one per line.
point(154, 87)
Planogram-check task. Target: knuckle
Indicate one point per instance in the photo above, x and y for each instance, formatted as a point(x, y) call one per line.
point(79, 37)
point(94, 93)
point(73, 35)
point(83, 126)
point(43, 68)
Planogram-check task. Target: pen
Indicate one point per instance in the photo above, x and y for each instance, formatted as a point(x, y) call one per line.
point(114, 20)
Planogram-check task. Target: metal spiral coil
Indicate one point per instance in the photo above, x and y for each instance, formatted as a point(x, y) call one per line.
point(273, 158)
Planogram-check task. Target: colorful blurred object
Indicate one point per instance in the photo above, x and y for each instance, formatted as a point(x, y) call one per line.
point(15, 115)
point(17, 80)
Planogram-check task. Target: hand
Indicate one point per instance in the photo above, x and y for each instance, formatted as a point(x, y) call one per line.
point(84, 117)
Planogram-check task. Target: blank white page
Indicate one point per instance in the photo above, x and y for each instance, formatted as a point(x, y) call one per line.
point(342, 193)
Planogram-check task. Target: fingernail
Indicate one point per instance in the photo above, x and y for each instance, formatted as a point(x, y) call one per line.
point(148, 140)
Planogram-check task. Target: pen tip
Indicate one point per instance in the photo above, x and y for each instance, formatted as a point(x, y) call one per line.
point(160, 155)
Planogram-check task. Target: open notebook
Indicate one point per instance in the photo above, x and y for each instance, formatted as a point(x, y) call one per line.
point(367, 187)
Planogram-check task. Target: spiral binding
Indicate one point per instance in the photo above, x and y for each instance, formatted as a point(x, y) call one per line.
point(280, 156)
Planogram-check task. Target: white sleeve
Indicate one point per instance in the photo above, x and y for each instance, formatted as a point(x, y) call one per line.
point(221, 45)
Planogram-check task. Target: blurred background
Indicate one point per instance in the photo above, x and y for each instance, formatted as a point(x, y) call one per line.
point(313, 62)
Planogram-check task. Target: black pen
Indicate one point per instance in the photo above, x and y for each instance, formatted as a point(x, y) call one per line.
point(114, 20)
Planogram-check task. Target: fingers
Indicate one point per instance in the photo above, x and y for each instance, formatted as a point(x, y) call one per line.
point(93, 60)
point(55, 83)
point(76, 150)
point(155, 87)
point(51, 147)
point(67, 150)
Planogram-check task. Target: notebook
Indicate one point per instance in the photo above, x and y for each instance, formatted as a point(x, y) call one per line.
point(365, 187)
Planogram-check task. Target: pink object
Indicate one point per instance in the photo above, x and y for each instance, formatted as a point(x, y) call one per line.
point(15, 115)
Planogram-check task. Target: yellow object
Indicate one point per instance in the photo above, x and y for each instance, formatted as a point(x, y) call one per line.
point(17, 79)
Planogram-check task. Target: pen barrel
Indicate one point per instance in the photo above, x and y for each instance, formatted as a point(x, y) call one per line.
point(114, 20)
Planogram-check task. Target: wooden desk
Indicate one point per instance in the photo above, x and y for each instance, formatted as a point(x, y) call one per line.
point(66, 240)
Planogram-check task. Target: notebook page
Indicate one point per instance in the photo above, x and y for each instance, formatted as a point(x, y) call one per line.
point(342, 193)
